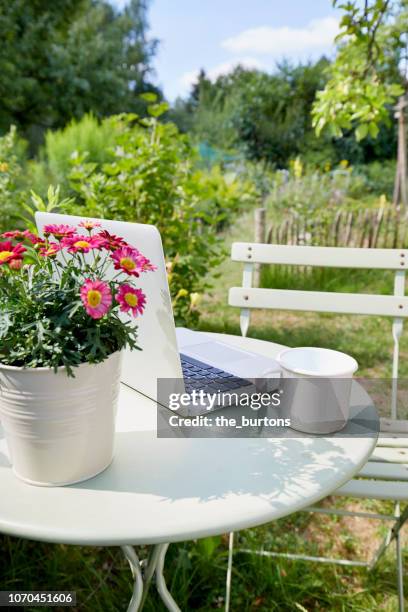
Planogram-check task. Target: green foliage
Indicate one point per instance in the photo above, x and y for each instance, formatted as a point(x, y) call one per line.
point(60, 60)
point(88, 136)
point(264, 116)
point(43, 325)
point(12, 192)
point(52, 203)
point(137, 169)
point(152, 178)
point(268, 117)
point(364, 78)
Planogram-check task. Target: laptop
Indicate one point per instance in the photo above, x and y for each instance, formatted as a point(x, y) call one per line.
point(194, 358)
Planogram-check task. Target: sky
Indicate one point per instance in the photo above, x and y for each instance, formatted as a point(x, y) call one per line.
point(217, 35)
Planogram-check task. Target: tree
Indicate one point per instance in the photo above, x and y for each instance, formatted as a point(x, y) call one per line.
point(265, 116)
point(368, 75)
point(61, 59)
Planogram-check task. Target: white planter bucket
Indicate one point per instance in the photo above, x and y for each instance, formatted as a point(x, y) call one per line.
point(59, 429)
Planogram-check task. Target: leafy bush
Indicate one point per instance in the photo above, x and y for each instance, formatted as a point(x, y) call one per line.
point(87, 137)
point(12, 193)
point(376, 178)
point(152, 178)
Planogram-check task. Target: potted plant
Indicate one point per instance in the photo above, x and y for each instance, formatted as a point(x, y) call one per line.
point(61, 335)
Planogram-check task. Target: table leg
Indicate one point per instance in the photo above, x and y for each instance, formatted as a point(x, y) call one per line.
point(138, 586)
point(155, 565)
point(164, 593)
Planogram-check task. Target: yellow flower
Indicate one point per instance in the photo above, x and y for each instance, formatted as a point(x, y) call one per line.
point(195, 299)
point(182, 293)
point(297, 168)
point(344, 163)
point(4, 167)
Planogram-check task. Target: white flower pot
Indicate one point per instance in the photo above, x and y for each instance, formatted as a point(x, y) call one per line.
point(59, 429)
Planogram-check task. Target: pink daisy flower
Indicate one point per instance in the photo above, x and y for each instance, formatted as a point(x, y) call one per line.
point(9, 252)
point(96, 297)
point(82, 244)
point(25, 234)
point(131, 299)
point(12, 234)
point(59, 230)
point(16, 264)
point(145, 264)
point(50, 250)
point(33, 238)
point(127, 259)
point(112, 242)
point(131, 261)
point(88, 224)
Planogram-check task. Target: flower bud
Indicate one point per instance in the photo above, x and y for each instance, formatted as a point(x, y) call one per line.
point(16, 264)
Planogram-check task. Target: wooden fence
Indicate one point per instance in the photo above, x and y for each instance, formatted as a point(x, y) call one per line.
point(384, 227)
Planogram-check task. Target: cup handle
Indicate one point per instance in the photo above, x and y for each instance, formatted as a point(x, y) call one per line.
point(268, 381)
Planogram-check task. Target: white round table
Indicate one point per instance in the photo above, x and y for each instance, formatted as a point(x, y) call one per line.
point(158, 491)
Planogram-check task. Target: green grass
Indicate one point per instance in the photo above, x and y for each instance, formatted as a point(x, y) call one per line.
point(195, 571)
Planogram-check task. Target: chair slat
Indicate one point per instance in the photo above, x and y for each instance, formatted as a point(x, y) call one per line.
point(396, 490)
point(389, 454)
point(386, 471)
point(394, 426)
point(337, 257)
point(319, 301)
point(392, 440)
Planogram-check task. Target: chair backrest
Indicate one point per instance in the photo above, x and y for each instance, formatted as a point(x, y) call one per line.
point(395, 306)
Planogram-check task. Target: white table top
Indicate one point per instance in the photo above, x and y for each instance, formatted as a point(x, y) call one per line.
point(168, 490)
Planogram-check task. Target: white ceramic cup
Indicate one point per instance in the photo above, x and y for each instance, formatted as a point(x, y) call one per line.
point(316, 385)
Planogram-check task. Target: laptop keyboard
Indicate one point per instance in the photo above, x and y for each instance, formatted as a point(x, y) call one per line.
point(201, 376)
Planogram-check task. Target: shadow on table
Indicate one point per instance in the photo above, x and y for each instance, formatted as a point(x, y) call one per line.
point(278, 469)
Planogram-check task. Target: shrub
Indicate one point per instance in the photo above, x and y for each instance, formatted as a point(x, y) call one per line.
point(376, 178)
point(152, 178)
point(12, 192)
point(87, 137)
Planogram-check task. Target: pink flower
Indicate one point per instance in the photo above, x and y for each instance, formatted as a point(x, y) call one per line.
point(31, 237)
point(88, 224)
point(82, 244)
point(50, 250)
point(127, 259)
point(145, 264)
point(59, 231)
point(131, 299)
point(112, 242)
point(16, 264)
point(25, 234)
point(8, 252)
point(96, 297)
point(12, 234)
point(131, 261)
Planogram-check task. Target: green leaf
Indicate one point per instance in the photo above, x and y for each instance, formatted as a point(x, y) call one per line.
point(155, 110)
point(373, 129)
point(361, 131)
point(149, 97)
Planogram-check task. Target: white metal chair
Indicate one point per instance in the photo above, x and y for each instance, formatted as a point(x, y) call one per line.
point(385, 476)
